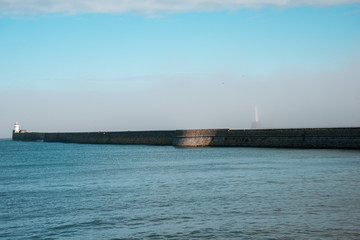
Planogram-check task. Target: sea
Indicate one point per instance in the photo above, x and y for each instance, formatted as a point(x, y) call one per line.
point(84, 191)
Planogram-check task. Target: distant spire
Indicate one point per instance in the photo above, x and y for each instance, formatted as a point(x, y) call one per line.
point(256, 114)
point(256, 124)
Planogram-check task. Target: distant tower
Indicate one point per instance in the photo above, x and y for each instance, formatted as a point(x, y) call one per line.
point(256, 124)
point(16, 127)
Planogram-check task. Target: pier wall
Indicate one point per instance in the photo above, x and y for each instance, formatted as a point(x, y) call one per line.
point(345, 138)
point(137, 137)
point(284, 138)
point(29, 137)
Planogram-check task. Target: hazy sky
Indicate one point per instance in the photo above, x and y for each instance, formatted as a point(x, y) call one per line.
point(88, 65)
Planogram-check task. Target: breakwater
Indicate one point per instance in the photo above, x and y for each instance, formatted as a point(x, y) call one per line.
point(343, 138)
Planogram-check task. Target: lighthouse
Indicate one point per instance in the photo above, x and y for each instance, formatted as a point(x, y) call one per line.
point(256, 124)
point(16, 127)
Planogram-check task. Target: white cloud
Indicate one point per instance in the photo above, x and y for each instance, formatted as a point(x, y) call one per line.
point(10, 7)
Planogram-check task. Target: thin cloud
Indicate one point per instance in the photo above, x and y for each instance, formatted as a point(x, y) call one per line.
point(14, 7)
point(146, 78)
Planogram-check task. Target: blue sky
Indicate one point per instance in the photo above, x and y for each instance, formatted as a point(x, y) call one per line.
point(89, 68)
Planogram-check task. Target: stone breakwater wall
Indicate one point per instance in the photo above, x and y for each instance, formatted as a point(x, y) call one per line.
point(136, 137)
point(344, 138)
point(284, 138)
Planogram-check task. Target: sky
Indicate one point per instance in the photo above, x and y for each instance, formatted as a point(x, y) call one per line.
point(118, 65)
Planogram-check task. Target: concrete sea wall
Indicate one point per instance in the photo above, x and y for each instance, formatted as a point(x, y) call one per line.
point(136, 137)
point(284, 138)
point(31, 137)
point(344, 138)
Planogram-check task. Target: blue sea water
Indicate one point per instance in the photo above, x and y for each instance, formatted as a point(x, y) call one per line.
point(81, 191)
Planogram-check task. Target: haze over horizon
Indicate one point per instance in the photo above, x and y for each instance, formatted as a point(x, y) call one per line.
point(150, 65)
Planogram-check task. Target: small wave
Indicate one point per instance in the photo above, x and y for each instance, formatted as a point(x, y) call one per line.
point(79, 225)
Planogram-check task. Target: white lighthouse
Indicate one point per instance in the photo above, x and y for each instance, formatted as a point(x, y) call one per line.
point(256, 124)
point(16, 127)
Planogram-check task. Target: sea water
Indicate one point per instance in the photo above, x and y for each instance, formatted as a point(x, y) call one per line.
point(83, 191)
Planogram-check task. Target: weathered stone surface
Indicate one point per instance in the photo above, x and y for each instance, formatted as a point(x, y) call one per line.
point(345, 138)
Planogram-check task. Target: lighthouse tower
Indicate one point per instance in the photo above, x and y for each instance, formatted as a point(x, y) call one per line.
point(256, 124)
point(16, 127)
